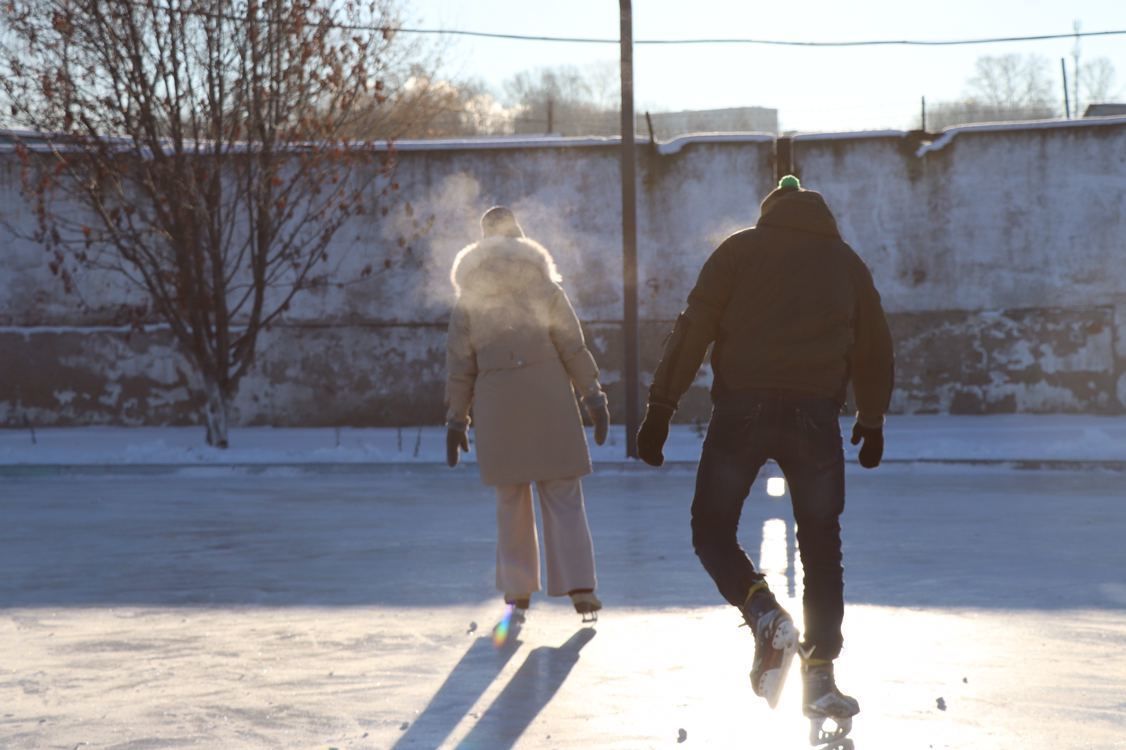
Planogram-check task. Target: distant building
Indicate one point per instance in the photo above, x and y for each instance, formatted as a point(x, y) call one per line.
point(1106, 109)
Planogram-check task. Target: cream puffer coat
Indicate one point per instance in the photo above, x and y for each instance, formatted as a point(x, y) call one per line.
point(515, 354)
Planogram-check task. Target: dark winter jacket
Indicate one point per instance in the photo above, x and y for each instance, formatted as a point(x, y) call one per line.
point(789, 306)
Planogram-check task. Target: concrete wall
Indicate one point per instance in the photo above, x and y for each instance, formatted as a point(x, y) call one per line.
point(1000, 253)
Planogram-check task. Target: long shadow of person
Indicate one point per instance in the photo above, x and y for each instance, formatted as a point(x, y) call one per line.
point(474, 672)
point(527, 693)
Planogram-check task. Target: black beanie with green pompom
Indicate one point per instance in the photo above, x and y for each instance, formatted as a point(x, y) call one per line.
point(787, 184)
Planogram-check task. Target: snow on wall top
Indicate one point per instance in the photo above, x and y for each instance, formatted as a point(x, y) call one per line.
point(10, 137)
point(849, 135)
point(949, 134)
point(10, 140)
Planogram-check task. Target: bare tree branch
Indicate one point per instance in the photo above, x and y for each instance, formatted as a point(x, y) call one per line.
point(205, 142)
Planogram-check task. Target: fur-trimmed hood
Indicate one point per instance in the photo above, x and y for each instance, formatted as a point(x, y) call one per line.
point(496, 263)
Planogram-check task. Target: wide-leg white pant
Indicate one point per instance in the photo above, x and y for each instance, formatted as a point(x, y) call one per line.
point(568, 549)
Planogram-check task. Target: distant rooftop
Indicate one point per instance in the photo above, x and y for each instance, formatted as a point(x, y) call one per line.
point(1105, 109)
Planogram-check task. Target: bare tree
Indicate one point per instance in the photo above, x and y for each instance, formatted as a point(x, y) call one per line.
point(1005, 87)
point(565, 101)
point(568, 100)
point(1013, 81)
point(202, 144)
point(424, 105)
point(1096, 78)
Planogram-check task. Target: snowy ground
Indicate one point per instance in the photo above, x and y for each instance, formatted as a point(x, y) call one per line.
point(348, 605)
point(1031, 440)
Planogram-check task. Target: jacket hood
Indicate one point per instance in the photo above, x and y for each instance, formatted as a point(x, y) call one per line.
point(502, 262)
point(803, 210)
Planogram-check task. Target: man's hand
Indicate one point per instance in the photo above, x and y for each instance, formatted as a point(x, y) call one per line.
point(456, 438)
point(873, 449)
point(599, 412)
point(654, 432)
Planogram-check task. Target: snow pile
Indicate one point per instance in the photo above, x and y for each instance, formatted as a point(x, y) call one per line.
point(1015, 438)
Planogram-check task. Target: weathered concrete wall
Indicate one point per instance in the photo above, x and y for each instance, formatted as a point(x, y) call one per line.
point(993, 219)
point(980, 362)
point(1000, 254)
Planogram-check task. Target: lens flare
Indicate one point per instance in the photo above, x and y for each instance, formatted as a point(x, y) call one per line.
point(500, 632)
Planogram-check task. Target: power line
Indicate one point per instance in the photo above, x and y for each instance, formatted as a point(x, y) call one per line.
point(388, 29)
point(773, 42)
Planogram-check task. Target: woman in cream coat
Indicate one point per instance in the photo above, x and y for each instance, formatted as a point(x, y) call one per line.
point(515, 355)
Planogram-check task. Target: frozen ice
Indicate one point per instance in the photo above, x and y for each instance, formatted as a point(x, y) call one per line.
point(312, 606)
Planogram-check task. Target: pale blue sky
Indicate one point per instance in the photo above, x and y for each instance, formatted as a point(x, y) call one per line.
point(813, 88)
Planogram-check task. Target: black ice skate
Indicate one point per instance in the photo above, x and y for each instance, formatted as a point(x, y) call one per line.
point(822, 702)
point(776, 641)
point(586, 604)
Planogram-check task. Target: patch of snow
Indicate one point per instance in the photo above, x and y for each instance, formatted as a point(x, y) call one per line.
point(674, 145)
point(949, 134)
point(995, 438)
point(850, 135)
point(64, 397)
point(39, 330)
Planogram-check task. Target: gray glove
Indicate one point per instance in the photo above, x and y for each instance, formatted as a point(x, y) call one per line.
point(456, 438)
point(599, 413)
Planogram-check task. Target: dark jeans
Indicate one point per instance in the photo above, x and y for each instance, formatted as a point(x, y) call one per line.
point(802, 434)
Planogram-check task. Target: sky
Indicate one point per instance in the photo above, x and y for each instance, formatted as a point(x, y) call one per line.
point(814, 89)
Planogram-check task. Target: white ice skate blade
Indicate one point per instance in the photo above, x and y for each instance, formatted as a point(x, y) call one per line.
point(831, 739)
point(773, 680)
point(844, 743)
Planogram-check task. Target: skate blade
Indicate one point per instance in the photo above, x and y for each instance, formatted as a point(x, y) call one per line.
point(833, 738)
point(845, 743)
point(773, 680)
point(589, 617)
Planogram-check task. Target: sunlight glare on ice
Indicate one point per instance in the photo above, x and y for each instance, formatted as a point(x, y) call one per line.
point(773, 554)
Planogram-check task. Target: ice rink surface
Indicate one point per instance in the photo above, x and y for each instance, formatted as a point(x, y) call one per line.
point(351, 608)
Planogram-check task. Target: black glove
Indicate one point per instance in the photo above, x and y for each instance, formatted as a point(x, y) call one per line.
point(599, 415)
point(873, 449)
point(456, 438)
point(654, 432)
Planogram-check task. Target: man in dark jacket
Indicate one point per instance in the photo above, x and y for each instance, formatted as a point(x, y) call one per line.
point(792, 316)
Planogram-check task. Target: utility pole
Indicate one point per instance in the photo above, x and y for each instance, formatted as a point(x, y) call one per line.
point(784, 157)
point(1066, 101)
point(631, 374)
point(923, 115)
point(1075, 69)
